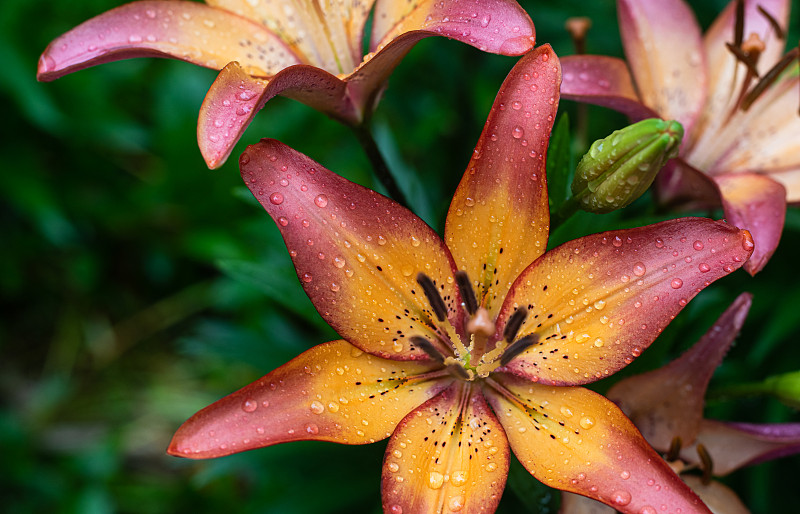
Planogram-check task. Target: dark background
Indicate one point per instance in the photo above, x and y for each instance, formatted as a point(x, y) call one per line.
point(137, 286)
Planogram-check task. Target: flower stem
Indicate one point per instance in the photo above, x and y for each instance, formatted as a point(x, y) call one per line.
point(564, 212)
point(379, 166)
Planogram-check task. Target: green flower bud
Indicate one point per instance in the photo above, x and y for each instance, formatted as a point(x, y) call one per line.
point(785, 387)
point(618, 169)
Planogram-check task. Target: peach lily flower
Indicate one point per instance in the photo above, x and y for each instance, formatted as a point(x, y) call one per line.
point(746, 159)
point(717, 447)
point(463, 348)
point(309, 50)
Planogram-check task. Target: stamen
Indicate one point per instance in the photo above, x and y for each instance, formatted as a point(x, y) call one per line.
point(706, 464)
point(738, 34)
point(513, 324)
point(773, 22)
point(427, 347)
point(744, 57)
point(770, 77)
point(674, 449)
point(577, 27)
point(433, 296)
point(517, 347)
point(459, 371)
point(467, 293)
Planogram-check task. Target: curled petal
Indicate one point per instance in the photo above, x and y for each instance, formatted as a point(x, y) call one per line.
point(357, 253)
point(235, 97)
point(576, 440)
point(735, 445)
point(333, 392)
point(499, 219)
point(756, 203)
point(597, 302)
point(664, 49)
point(496, 26)
point(679, 183)
point(605, 81)
point(449, 455)
point(668, 402)
point(188, 31)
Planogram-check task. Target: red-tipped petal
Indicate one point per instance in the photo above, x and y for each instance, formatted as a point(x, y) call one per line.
point(357, 253)
point(499, 218)
point(188, 31)
point(668, 402)
point(664, 49)
point(235, 97)
point(333, 392)
point(578, 441)
point(602, 80)
point(756, 203)
point(735, 445)
point(496, 26)
point(449, 455)
point(597, 302)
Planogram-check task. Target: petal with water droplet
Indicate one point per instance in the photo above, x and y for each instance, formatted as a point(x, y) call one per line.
point(756, 203)
point(498, 221)
point(602, 80)
point(607, 459)
point(235, 97)
point(188, 31)
point(663, 45)
point(661, 417)
point(449, 455)
point(597, 302)
point(497, 26)
point(365, 285)
point(332, 392)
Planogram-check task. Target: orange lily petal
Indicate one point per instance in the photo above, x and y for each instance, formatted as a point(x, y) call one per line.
point(332, 392)
point(668, 402)
point(497, 26)
point(735, 445)
point(188, 31)
point(357, 253)
point(716, 495)
point(725, 72)
point(605, 81)
point(499, 218)
point(664, 49)
point(235, 97)
point(597, 302)
point(756, 203)
point(578, 441)
point(448, 455)
point(328, 34)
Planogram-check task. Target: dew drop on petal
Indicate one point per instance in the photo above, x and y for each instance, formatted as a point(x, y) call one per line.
point(639, 269)
point(621, 498)
point(587, 422)
point(704, 268)
point(249, 405)
point(676, 283)
point(435, 480)
point(698, 245)
point(317, 407)
point(518, 132)
point(321, 201)
point(276, 198)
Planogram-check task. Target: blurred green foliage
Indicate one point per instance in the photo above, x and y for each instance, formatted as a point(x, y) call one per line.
point(137, 286)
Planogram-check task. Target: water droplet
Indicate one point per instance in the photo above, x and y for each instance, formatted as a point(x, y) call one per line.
point(246, 95)
point(698, 245)
point(334, 287)
point(249, 405)
point(647, 509)
point(276, 198)
point(393, 467)
point(625, 475)
point(282, 221)
point(586, 422)
point(490, 467)
point(414, 241)
point(703, 267)
point(617, 241)
point(338, 262)
point(566, 411)
point(317, 407)
point(659, 243)
point(321, 200)
point(396, 509)
point(747, 243)
point(518, 132)
point(676, 283)
point(485, 20)
point(456, 503)
point(307, 277)
point(435, 480)
point(312, 429)
point(516, 105)
point(621, 498)
point(458, 478)
point(639, 269)
point(333, 407)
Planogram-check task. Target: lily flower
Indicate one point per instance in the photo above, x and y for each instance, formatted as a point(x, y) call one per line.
point(674, 424)
point(741, 148)
point(459, 349)
point(307, 50)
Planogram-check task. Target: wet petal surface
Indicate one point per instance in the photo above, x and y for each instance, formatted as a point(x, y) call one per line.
point(499, 218)
point(188, 31)
point(332, 392)
point(576, 440)
point(357, 253)
point(449, 455)
point(597, 302)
